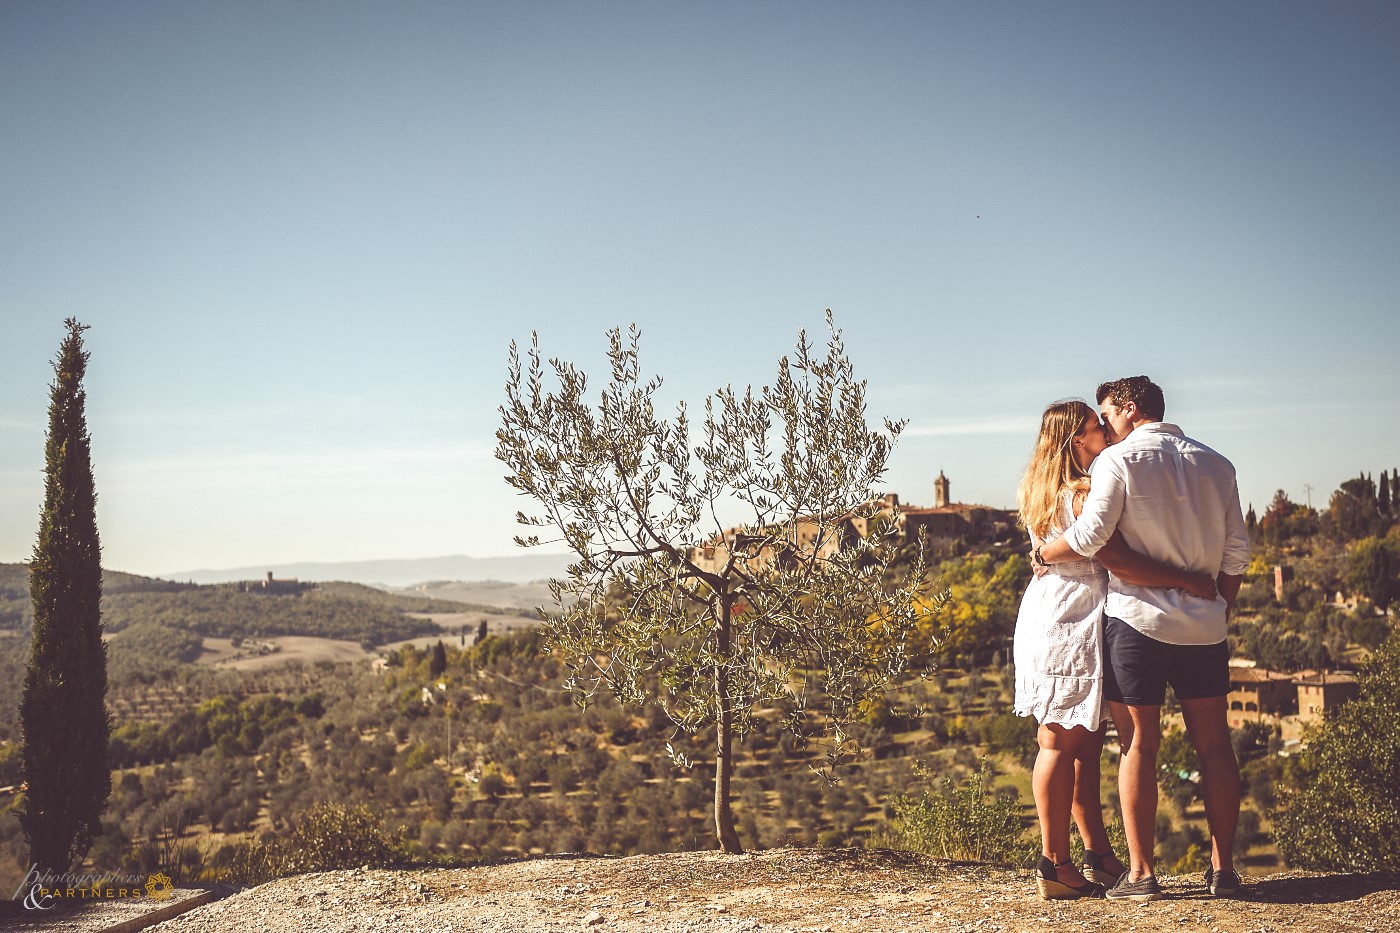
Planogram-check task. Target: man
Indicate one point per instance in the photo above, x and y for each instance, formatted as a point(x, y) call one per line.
point(1175, 500)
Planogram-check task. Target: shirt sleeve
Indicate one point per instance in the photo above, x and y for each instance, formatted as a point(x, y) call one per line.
point(1236, 557)
point(1102, 509)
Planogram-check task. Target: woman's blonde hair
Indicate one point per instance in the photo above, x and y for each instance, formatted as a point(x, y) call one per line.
point(1053, 468)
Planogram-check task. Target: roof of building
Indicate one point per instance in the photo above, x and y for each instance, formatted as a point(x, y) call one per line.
point(952, 508)
point(1323, 678)
point(1255, 675)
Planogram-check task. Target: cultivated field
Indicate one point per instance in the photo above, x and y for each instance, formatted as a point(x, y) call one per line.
point(454, 628)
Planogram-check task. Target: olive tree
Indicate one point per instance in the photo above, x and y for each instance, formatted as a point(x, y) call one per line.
point(788, 604)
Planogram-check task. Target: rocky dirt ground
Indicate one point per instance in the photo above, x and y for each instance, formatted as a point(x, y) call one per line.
point(798, 890)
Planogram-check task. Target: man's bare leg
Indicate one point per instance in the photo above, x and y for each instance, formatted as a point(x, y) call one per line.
point(1140, 736)
point(1220, 774)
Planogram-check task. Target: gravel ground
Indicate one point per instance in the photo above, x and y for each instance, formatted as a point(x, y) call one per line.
point(798, 890)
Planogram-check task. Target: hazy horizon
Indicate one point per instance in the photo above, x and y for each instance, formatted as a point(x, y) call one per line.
point(391, 571)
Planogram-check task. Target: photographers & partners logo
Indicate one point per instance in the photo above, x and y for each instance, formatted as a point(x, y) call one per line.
point(46, 890)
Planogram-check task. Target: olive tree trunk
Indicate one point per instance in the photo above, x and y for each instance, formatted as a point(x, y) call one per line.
point(724, 742)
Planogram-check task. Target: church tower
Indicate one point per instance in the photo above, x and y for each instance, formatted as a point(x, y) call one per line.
point(940, 491)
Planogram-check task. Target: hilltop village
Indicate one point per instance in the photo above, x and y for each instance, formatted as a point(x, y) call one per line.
point(945, 528)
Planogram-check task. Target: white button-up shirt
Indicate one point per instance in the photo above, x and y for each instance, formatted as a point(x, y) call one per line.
point(1175, 500)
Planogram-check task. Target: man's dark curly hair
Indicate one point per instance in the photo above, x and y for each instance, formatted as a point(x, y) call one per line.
point(1139, 390)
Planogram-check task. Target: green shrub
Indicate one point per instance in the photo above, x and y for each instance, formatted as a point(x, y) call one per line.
point(965, 822)
point(493, 781)
point(333, 836)
point(1176, 763)
point(1370, 630)
point(248, 863)
point(1015, 735)
point(327, 837)
point(419, 756)
point(1182, 851)
point(1342, 812)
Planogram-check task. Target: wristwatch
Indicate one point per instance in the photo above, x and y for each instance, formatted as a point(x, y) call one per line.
point(1035, 555)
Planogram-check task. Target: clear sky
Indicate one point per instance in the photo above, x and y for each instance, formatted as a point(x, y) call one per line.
point(304, 235)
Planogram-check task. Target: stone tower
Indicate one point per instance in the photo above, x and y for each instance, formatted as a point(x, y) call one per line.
point(940, 491)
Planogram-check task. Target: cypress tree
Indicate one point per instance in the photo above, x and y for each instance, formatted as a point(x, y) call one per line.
point(63, 710)
point(1383, 495)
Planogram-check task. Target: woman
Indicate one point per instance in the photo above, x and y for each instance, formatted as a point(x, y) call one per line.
point(1059, 656)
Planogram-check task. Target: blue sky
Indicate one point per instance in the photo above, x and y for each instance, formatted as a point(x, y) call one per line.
point(304, 235)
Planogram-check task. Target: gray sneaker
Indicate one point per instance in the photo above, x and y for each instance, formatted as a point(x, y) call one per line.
point(1222, 883)
point(1145, 889)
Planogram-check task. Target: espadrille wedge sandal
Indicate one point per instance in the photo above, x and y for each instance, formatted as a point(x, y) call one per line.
point(1051, 888)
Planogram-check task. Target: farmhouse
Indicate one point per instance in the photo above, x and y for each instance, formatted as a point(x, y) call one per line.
point(1319, 694)
point(1258, 695)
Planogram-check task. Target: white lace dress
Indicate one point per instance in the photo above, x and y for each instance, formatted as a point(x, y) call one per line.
point(1059, 641)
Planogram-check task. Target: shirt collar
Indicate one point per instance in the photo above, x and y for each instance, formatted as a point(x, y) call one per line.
point(1159, 427)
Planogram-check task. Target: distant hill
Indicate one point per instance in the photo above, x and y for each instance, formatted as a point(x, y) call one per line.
point(16, 612)
point(403, 572)
point(148, 611)
point(519, 597)
point(157, 625)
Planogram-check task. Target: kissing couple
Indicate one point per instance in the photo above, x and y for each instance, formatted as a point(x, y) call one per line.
point(1139, 549)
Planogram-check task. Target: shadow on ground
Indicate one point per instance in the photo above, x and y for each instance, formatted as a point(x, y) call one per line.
point(1331, 889)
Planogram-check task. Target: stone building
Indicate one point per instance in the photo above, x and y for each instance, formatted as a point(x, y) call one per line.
point(269, 585)
point(1319, 694)
point(1258, 695)
point(950, 525)
point(800, 539)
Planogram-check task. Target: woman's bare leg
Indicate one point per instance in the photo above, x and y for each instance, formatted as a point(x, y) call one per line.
point(1053, 785)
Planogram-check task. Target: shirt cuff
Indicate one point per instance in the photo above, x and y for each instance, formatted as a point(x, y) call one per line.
point(1081, 542)
point(1234, 568)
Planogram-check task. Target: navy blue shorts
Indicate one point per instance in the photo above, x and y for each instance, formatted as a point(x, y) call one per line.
point(1137, 669)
